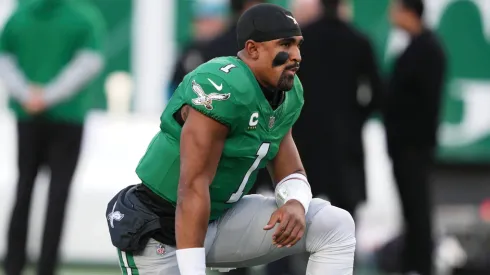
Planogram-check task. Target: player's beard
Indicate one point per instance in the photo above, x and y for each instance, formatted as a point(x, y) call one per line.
point(286, 81)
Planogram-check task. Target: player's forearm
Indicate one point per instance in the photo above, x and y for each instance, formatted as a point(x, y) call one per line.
point(13, 78)
point(192, 216)
point(287, 160)
point(277, 177)
point(81, 70)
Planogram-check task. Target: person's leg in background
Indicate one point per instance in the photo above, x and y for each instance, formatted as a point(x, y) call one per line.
point(63, 152)
point(411, 167)
point(29, 159)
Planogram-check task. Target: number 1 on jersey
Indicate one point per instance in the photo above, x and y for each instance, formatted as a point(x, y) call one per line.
point(227, 68)
point(261, 153)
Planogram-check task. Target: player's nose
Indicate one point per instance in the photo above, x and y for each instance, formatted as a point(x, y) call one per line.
point(295, 54)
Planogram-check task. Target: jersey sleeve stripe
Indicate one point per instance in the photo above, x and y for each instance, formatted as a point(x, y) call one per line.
point(212, 116)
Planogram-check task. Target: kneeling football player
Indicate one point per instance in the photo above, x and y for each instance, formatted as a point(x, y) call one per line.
point(229, 118)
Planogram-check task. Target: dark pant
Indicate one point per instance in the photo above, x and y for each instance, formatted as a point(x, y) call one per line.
point(40, 143)
point(411, 168)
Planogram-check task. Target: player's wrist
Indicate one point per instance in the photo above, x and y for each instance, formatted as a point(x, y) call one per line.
point(296, 202)
point(192, 261)
point(294, 187)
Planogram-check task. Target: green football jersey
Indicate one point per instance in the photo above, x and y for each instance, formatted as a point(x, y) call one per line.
point(226, 90)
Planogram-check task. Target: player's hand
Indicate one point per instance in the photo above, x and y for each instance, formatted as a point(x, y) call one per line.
point(292, 224)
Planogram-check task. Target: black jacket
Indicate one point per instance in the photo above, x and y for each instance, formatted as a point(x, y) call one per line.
point(337, 60)
point(414, 93)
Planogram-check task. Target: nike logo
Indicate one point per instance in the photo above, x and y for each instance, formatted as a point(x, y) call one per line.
point(292, 18)
point(219, 88)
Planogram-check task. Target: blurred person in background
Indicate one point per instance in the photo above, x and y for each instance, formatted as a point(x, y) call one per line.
point(208, 22)
point(49, 51)
point(209, 19)
point(307, 11)
point(411, 118)
point(224, 44)
point(329, 132)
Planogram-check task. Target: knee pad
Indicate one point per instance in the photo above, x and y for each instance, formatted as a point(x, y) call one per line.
point(329, 226)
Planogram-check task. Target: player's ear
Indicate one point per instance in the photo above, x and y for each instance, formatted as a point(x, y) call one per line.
point(252, 49)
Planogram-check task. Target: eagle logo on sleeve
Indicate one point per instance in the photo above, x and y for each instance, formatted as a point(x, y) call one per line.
point(204, 99)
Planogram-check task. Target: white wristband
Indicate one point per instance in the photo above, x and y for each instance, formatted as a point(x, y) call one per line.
point(192, 261)
point(294, 187)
